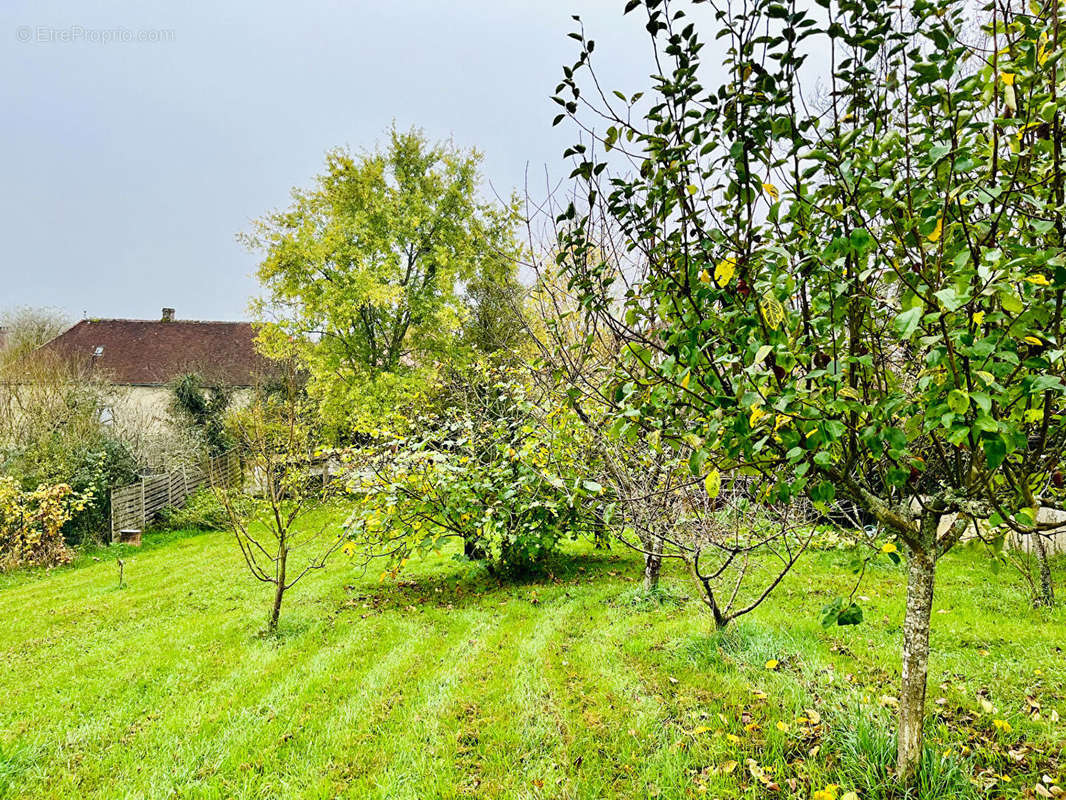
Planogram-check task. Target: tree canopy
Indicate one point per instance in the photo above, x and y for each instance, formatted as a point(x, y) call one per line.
point(858, 295)
point(367, 271)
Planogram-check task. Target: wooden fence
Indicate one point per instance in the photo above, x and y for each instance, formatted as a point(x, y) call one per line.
point(136, 505)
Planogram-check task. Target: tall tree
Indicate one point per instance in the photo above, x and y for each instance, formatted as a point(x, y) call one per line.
point(367, 270)
point(24, 329)
point(860, 295)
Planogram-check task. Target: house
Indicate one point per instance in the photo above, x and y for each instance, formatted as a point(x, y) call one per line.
point(142, 358)
point(150, 354)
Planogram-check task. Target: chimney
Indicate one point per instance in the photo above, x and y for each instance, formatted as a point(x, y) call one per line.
point(168, 315)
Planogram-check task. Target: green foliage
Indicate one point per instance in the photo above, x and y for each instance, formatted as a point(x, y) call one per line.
point(201, 511)
point(366, 271)
point(865, 300)
point(53, 431)
point(859, 299)
point(496, 323)
point(92, 474)
point(89, 461)
point(203, 407)
point(492, 467)
point(841, 612)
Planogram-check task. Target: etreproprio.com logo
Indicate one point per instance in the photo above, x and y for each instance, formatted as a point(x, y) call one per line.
point(73, 34)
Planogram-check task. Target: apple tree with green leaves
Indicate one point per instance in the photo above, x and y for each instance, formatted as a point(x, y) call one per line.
point(843, 264)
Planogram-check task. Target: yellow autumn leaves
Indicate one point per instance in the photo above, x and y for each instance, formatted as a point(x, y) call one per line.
point(725, 269)
point(713, 483)
point(938, 231)
point(830, 792)
point(723, 273)
point(756, 414)
point(773, 313)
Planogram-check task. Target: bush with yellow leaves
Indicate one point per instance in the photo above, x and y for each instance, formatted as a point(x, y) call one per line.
point(31, 523)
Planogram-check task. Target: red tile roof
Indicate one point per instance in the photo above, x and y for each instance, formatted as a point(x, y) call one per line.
point(152, 353)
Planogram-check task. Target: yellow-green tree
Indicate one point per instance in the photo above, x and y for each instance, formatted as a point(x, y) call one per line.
point(367, 270)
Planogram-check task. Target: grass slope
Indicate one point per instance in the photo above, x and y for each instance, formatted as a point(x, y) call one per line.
point(448, 685)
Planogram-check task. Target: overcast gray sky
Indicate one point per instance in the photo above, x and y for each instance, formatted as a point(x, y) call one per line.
point(128, 167)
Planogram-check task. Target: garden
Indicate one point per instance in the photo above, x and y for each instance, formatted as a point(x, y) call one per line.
point(732, 468)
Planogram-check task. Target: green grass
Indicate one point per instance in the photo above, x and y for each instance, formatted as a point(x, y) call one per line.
point(450, 685)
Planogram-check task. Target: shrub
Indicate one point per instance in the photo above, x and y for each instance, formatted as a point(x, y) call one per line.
point(495, 469)
point(31, 524)
point(52, 432)
point(92, 474)
point(202, 511)
point(90, 469)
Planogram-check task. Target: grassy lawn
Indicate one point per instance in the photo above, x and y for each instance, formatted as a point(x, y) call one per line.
point(448, 685)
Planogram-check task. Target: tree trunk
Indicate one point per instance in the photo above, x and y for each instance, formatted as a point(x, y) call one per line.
point(473, 550)
point(1047, 588)
point(720, 619)
point(279, 589)
point(915, 663)
point(653, 564)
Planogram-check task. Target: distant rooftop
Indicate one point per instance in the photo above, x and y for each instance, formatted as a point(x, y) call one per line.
point(139, 352)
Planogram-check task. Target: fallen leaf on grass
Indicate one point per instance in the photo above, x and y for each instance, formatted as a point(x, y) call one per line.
point(760, 775)
point(725, 768)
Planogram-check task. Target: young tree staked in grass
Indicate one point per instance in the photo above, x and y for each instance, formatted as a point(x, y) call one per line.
point(855, 291)
point(369, 271)
point(281, 522)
